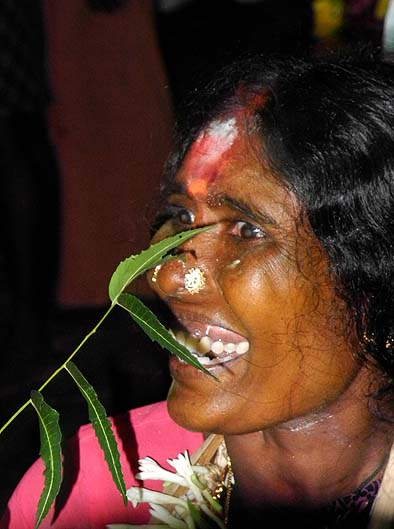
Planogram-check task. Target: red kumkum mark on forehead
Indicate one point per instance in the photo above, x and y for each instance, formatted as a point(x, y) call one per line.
point(211, 150)
point(208, 154)
point(198, 187)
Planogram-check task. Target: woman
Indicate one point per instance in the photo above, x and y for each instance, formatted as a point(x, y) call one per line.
point(294, 170)
point(288, 299)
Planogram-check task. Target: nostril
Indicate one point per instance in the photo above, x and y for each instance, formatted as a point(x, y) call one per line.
point(169, 278)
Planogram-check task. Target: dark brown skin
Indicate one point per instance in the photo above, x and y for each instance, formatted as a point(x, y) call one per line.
point(294, 409)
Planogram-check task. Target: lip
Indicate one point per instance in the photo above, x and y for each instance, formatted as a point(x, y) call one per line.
point(182, 372)
point(198, 326)
point(215, 332)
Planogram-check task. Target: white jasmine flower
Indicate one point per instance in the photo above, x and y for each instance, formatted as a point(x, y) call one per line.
point(184, 469)
point(149, 469)
point(171, 512)
point(161, 514)
point(182, 465)
point(138, 495)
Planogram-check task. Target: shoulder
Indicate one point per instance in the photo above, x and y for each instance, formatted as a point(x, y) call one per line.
point(148, 429)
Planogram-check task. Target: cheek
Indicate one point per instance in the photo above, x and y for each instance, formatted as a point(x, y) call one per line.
point(257, 286)
point(294, 315)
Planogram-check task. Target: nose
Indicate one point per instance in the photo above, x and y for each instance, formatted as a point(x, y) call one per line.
point(192, 276)
point(178, 278)
point(168, 279)
point(175, 279)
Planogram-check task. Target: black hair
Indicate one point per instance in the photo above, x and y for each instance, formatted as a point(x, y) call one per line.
point(327, 128)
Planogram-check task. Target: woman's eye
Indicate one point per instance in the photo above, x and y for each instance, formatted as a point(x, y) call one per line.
point(184, 216)
point(174, 214)
point(245, 230)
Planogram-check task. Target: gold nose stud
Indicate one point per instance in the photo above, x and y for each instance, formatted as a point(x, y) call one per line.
point(194, 280)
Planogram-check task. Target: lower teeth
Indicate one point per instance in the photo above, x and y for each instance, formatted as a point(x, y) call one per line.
point(206, 361)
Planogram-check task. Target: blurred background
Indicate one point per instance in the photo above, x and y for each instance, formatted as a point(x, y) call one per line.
point(89, 91)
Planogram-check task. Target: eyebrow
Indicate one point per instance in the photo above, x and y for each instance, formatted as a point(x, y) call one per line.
point(175, 187)
point(248, 210)
point(172, 187)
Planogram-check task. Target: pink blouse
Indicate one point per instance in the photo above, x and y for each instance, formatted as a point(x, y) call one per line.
point(88, 498)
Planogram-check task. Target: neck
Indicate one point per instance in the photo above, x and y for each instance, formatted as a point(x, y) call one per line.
point(310, 461)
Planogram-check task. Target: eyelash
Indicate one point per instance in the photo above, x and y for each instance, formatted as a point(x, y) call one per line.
point(258, 232)
point(175, 213)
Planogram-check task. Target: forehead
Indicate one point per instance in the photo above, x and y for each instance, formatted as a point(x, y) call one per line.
point(226, 158)
point(224, 137)
point(210, 153)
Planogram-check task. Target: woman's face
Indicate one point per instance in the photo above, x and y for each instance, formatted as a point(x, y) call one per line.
point(275, 331)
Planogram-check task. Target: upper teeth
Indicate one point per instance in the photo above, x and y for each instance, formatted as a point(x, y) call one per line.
point(206, 345)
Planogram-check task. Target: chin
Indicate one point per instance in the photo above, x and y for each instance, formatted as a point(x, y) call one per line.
point(202, 413)
point(193, 412)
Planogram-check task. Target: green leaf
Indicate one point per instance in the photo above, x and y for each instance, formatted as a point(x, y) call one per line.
point(50, 451)
point(136, 265)
point(102, 427)
point(156, 330)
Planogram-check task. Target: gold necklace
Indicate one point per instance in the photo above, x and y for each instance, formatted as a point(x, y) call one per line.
point(229, 483)
point(225, 486)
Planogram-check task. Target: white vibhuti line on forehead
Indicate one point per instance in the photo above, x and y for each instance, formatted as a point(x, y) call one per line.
point(225, 130)
point(208, 153)
point(217, 138)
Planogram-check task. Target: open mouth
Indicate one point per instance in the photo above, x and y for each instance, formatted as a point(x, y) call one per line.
point(211, 345)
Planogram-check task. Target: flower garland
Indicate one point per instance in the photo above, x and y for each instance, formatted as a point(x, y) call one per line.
point(191, 497)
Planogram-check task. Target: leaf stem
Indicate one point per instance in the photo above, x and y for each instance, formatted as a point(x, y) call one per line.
point(48, 380)
point(10, 420)
point(57, 371)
